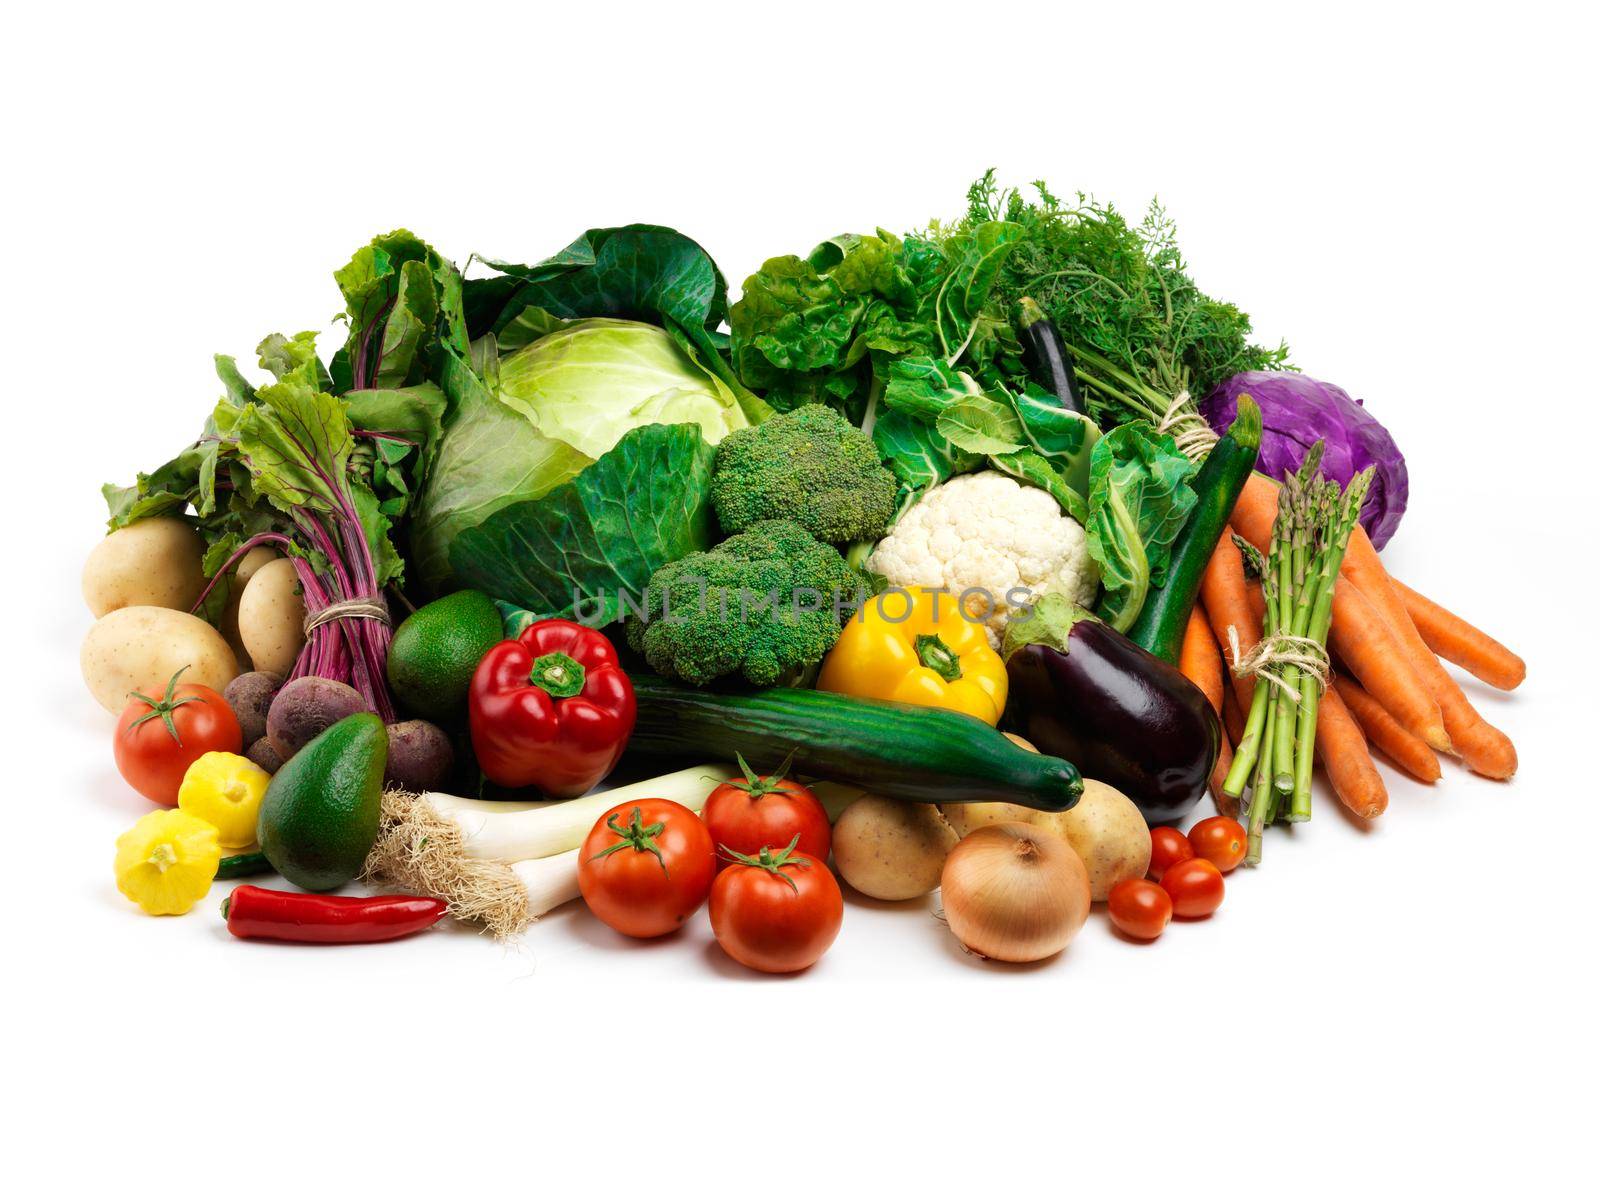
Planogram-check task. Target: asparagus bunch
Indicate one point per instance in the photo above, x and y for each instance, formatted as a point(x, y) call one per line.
point(1298, 574)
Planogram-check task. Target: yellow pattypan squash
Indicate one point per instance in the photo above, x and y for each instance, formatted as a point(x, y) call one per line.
point(167, 861)
point(225, 790)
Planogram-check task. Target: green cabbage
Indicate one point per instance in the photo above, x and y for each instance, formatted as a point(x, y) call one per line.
point(588, 382)
point(577, 447)
point(595, 441)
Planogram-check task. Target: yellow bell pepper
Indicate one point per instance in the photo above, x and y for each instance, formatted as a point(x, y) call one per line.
point(167, 861)
point(225, 790)
point(917, 647)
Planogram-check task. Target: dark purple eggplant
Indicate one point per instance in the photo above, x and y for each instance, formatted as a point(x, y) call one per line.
point(1045, 352)
point(1083, 692)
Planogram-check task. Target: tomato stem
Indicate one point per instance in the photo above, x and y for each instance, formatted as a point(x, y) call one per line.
point(636, 836)
point(757, 786)
point(774, 861)
point(165, 706)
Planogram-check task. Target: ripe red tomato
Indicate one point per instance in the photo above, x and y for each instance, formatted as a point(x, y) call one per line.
point(1167, 846)
point(1139, 908)
point(1195, 886)
point(1221, 841)
point(646, 866)
point(157, 739)
point(776, 911)
point(745, 815)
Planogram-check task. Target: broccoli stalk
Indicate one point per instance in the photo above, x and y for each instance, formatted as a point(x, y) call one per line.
point(809, 466)
point(767, 604)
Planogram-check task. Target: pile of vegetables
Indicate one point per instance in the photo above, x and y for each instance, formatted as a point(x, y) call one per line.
point(964, 561)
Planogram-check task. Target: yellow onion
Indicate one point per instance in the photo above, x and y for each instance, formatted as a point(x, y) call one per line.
point(1014, 892)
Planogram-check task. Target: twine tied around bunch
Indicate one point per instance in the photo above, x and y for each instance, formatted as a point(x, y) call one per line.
point(1278, 650)
point(1194, 438)
point(362, 608)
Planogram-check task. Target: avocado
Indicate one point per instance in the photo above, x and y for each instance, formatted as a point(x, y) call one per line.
point(437, 648)
point(320, 814)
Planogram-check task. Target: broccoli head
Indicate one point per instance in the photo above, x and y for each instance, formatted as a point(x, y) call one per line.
point(810, 466)
point(764, 604)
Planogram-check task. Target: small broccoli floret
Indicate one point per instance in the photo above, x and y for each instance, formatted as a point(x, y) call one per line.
point(761, 604)
point(810, 466)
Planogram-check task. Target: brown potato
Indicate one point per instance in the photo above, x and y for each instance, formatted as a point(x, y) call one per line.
point(154, 562)
point(138, 649)
point(271, 617)
point(891, 849)
point(1109, 834)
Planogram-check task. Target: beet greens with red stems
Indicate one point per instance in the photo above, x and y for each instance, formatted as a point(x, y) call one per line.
point(322, 463)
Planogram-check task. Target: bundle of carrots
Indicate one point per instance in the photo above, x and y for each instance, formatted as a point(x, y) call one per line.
point(1391, 689)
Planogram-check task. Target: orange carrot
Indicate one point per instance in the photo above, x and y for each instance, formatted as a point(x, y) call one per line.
point(1232, 716)
point(1457, 641)
point(1481, 746)
point(1363, 641)
point(1411, 754)
point(1199, 659)
point(1342, 751)
point(1225, 804)
point(1223, 595)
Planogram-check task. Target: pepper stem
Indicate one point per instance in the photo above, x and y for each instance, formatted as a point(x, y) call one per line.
point(559, 674)
point(937, 657)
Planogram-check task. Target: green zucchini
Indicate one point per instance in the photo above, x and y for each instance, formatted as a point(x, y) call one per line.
point(898, 750)
point(1160, 624)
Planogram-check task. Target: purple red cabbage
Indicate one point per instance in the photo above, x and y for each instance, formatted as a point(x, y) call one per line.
point(1296, 412)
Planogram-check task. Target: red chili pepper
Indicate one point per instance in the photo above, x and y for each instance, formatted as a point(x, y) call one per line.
point(551, 710)
point(254, 912)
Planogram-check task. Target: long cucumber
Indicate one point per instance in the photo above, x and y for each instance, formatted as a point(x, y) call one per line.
point(897, 750)
point(1160, 624)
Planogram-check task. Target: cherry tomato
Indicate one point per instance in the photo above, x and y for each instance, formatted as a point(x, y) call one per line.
point(776, 911)
point(646, 866)
point(1139, 908)
point(1167, 846)
point(747, 814)
point(1195, 886)
point(1221, 841)
point(157, 739)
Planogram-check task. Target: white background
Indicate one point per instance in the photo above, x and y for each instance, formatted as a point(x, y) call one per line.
point(1406, 196)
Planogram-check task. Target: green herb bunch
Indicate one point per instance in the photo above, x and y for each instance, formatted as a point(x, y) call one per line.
point(1141, 332)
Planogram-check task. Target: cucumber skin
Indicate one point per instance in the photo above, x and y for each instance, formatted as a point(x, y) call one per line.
point(898, 750)
point(1161, 622)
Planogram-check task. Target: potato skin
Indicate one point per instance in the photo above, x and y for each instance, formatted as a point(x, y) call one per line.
point(140, 647)
point(1108, 832)
point(254, 559)
point(964, 818)
point(891, 849)
point(271, 617)
point(153, 563)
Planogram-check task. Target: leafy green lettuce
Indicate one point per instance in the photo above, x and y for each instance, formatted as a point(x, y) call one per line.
point(1139, 498)
point(826, 328)
point(938, 422)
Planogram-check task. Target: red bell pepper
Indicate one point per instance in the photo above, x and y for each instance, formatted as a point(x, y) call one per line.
point(551, 710)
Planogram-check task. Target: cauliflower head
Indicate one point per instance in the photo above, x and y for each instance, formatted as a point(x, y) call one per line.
point(990, 532)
